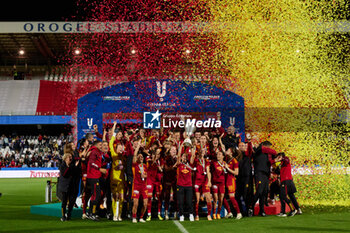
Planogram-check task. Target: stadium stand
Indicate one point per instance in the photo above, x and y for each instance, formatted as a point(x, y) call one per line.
point(31, 151)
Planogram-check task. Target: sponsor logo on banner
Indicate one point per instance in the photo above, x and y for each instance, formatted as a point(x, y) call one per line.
point(116, 98)
point(206, 97)
point(232, 121)
point(90, 122)
point(161, 90)
point(152, 120)
point(161, 93)
point(16, 173)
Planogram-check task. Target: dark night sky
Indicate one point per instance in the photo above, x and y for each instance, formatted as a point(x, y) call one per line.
point(54, 10)
point(38, 10)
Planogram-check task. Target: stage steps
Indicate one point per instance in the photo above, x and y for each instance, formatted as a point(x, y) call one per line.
point(53, 210)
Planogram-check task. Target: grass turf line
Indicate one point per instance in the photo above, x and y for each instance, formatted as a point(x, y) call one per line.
point(20, 194)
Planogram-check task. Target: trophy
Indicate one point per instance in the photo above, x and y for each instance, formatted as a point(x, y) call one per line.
point(189, 129)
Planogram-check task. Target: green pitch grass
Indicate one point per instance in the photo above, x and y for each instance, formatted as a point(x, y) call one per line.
point(20, 194)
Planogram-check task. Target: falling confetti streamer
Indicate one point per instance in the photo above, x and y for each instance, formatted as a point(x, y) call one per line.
point(276, 54)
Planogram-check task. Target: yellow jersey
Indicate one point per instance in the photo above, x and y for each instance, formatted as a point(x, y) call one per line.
point(117, 170)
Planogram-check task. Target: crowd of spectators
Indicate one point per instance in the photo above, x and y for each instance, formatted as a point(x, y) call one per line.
point(31, 151)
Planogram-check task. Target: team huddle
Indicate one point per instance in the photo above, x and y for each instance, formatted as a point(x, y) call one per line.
point(134, 165)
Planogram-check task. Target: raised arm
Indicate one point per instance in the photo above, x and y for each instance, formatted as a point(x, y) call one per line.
point(136, 151)
point(178, 161)
point(270, 152)
point(267, 150)
point(193, 154)
point(104, 135)
point(221, 144)
point(111, 142)
point(96, 131)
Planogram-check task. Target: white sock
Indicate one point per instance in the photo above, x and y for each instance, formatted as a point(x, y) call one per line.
point(117, 209)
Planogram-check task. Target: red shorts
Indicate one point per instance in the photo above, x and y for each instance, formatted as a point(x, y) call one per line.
point(218, 188)
point(154, 186)
point(138, 190)
point(201, 187)
point(231, 185)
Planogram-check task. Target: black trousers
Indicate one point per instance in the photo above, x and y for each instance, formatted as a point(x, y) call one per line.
point(95, 188)
point(244, 193)
point(106, 189)
point(274, 189)
point(287, 190)
point(262, 187)
point(129, 180)
point(67, 197)
point(185, 196)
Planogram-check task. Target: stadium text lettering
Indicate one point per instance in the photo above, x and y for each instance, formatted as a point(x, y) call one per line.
point(105, 27)
point(52, 27)
point(210, 123)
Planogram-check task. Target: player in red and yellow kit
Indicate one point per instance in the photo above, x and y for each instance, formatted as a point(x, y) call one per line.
point(287, 187)
point(218, 180)
point(169, 180)
point(139, 170)
point(155, 166)
point(202, 181)
point(232, 171)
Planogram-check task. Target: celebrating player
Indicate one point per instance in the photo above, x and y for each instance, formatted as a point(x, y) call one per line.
point(94, 172)
point(154, 167)
point(139, 186)
point(202, 181)
point(232, 171)
point(184, 183)
point(117, 177)
point(84, 152)
point(169, 180)
point(287, 187)
point(218, 188)
point(105, 178)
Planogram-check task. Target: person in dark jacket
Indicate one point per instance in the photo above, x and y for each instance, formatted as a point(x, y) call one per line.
point(245, 190)
point(231, 139)
point(76, 173)
point(262, 163)
point(66, 186)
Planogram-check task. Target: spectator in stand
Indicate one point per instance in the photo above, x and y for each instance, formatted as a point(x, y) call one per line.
point(6, 141)
point(2, 141)
point(26, 151)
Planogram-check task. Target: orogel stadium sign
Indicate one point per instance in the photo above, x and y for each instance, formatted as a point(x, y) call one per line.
point(152, 120)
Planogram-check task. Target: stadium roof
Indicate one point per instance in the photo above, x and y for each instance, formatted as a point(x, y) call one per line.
point(38, 10)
